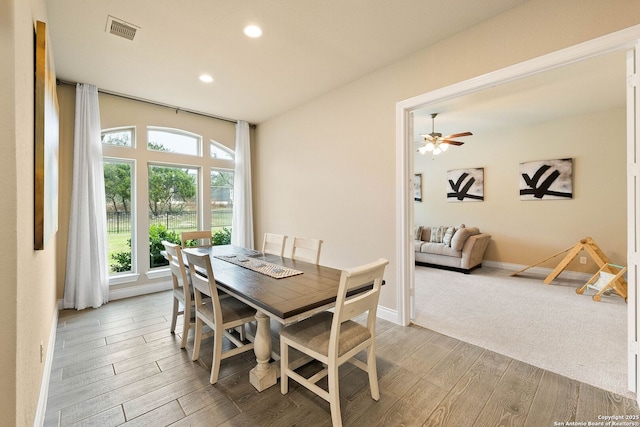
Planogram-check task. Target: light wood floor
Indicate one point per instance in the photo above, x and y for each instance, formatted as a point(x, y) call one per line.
point(120, 365)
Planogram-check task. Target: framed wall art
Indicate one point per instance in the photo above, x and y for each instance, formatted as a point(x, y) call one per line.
point(45, 143)
point(465, 185)
point(546, 180)
point(417, 187)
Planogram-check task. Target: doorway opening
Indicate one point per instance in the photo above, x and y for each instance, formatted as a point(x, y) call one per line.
point(616, 43)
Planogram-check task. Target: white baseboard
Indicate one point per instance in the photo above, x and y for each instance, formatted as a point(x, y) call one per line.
point(388, 314)
point(541, 271)
point(46, 373)
point(134, 291)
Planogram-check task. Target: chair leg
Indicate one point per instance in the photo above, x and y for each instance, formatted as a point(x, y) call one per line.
point(334, 395)
point(284, 365)
point(373, 372)
point(196, 339)
point(217, 355)
point(186, 319)
point(174, 316)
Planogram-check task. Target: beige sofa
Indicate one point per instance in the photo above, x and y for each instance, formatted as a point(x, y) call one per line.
point(458, 248)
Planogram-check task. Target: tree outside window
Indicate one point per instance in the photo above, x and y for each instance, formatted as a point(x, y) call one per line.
point(117, 189)
point(173, 207)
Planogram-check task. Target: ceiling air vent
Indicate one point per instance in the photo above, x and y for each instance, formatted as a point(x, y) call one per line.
point(121, 28)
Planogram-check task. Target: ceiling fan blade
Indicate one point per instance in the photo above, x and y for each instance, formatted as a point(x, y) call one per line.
point(428, 137)
point(458, 135)
point(450, 142)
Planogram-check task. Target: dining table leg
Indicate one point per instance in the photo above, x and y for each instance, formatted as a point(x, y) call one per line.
point(264, 375)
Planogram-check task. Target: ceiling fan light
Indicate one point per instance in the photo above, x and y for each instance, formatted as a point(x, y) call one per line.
point(437, 151)
point(252, 31)
point(443, 147)
point(422, 149)
point(430, 146)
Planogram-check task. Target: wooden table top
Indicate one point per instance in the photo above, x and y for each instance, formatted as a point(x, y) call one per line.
point(282, 299)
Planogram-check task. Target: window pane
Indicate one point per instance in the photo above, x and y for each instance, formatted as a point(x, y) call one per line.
point(221, 205)
point(117, 190)
point(173, 207)
point(173, 141)
point(219, 151)
point(120, 137)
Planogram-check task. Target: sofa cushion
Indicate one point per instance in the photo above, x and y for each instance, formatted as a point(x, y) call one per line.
point(461, 236)
point(417, 244)
point(446, 240)
point(439, 249)
point(417, 232)
point(437, 234)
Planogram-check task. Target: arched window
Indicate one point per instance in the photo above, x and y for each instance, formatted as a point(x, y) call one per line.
point(219, 151)
point(158, 189)
point(173, 141)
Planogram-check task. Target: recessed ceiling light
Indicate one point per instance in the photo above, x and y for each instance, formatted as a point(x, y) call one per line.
point(206, 78)
point(252, 31)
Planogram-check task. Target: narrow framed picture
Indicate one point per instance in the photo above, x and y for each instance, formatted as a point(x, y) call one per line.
point(417, 187)
point(45, 142)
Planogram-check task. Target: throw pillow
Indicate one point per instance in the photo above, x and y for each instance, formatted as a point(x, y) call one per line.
point(448, 235)
point(417, 232)
point(437, 234)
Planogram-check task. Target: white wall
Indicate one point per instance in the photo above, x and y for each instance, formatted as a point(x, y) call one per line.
point(27, 294)
point(327, 168)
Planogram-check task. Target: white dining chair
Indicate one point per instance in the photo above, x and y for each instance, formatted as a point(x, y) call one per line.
point(334, 339)
point(274, 244)
point(182, 293)
point(202, 238)
point(222, 315)
point(305, 249)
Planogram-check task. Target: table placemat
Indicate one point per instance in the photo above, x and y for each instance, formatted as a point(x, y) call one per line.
point(259, 266)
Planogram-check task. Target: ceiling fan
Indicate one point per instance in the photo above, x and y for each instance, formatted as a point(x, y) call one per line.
point(436, 143)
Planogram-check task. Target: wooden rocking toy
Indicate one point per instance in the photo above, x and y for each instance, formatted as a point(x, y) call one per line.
point(604, 280)
point(617, 282)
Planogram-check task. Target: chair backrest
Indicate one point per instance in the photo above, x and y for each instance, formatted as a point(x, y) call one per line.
point(274, 244)
point(202, 237)
point(176, 263)
point(202, 278)
point(306, 249)
point(350, 307)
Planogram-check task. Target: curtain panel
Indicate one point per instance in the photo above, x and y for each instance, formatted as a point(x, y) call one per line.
point(242, 220)
point(87, 273)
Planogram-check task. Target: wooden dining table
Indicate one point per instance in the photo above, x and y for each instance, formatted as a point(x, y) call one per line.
point(310, 289)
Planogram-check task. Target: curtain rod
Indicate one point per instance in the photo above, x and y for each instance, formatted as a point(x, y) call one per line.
point(133, 98)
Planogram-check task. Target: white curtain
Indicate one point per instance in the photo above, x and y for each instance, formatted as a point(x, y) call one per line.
point(242, 221)
point(87, 275)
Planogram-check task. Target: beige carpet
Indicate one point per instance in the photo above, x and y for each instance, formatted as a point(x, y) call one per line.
point(549, 326)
